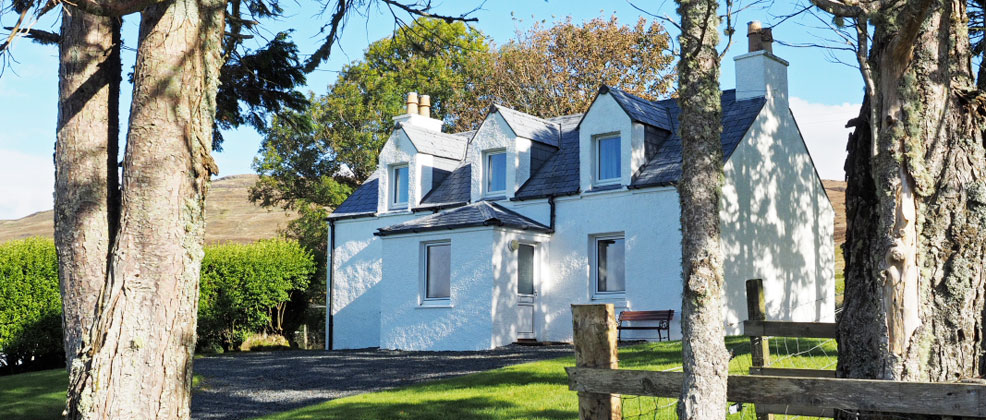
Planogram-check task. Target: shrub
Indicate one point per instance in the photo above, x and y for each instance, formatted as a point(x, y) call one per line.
point(245, 288)
point(265, 342)
point(30, 306)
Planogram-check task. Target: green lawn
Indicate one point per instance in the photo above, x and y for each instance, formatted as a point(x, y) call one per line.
point(40, 395)
point(536, 390)
point(35, 395)
point(539, 390)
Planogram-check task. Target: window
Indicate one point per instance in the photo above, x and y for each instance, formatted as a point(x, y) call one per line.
point(496, 172)
point(525, 269)
point(398, 186)
point(437, 270)
point(607, 159)
point(610, 265)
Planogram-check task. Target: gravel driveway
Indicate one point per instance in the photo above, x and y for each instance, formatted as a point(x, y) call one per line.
point(246, 385)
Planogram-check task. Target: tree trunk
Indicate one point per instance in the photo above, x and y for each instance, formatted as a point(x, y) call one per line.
point(140, 361)
point(86, 181)
point(916, 205)
point(703, 394)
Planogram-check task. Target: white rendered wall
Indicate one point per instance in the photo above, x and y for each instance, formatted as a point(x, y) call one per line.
point(495, 134)
point(397, 151)
point(649, 221)
point(357, 272)
point(506, 314)
point(777, 224)
point(465, 324)
point(606, 117)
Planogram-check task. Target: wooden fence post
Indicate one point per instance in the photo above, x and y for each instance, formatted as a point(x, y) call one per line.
point(756, 310)
point(594, 328)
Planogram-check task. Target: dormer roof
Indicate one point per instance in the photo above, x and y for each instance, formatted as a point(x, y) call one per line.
point(436, 143)
point(639, 109)
point(529, 126)
point(559, 175)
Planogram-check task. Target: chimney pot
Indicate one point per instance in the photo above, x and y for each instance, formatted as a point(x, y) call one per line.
point(424, 108)
point(412, 103)
point(760, 38)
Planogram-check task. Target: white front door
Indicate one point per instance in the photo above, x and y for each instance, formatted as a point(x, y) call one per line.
point(526, 290)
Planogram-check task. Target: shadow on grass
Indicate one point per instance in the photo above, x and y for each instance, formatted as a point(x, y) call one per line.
point(35, 395)
point(477, 407)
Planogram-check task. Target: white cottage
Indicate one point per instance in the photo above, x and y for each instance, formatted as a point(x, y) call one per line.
point(474, 240)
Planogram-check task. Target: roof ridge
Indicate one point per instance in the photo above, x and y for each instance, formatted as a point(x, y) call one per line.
point(531, 116)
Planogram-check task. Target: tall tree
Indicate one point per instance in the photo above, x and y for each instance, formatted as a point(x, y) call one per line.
point(557, 70)
point(705, 359)
point(86, 209)
point(916, 199)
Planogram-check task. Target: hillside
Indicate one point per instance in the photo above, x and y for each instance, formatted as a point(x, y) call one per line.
point(230, 216)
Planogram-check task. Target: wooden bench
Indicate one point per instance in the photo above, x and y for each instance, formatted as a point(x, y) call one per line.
point(662, 318)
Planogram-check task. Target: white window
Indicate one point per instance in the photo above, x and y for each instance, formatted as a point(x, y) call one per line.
point(495, 168)
point(609, 265)
point(607, 160)
point(398, 186)
point(437, 271)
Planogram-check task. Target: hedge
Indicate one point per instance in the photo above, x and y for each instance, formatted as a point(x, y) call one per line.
point(30, 306)
point(244, 290)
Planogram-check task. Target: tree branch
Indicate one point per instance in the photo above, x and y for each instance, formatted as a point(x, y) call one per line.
point(111, 8)
point(839, 8)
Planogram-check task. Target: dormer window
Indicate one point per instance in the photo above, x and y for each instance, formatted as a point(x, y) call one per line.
point(398, 186)
point(607, 160)
point(495, 170)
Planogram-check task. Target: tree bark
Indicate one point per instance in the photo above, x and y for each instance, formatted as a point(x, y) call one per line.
point(86, 180)
point(139, 363)
point(703, 394)
point(916, 204)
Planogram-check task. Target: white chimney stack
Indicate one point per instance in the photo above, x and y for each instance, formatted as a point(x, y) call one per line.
point(760, 73)
point(419, 113)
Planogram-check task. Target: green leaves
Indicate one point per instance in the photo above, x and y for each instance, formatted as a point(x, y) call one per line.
point(30, 304)
point(244, 285)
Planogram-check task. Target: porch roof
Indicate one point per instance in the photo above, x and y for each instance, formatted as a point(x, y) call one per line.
point(483, 213)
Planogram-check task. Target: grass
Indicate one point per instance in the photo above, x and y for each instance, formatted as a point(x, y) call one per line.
point(41, 395)
point(539, 390)
point(35, 395)
point(536, 390)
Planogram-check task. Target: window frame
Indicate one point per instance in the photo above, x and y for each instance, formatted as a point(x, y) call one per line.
point(423, 298)
point(535, 254)
point(594, 266)
point(393, 204)
point(488, 172)
point(598, 161)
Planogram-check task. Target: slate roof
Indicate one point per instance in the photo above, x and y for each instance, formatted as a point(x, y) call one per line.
point(642, 110)
point(560, 174)
point(363, 201)
point(483, 213)
point(454, 190)
point(530, 127)
point(436, 143)
point(665, 167)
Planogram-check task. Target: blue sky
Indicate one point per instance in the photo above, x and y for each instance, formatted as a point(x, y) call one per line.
point(823, 94)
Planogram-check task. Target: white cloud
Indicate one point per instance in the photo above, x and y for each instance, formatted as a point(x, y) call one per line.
point(823, 127)
point(27, 183)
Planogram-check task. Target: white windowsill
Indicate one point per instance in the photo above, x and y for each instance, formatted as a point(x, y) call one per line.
point(610, 297)
point(435, 304)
